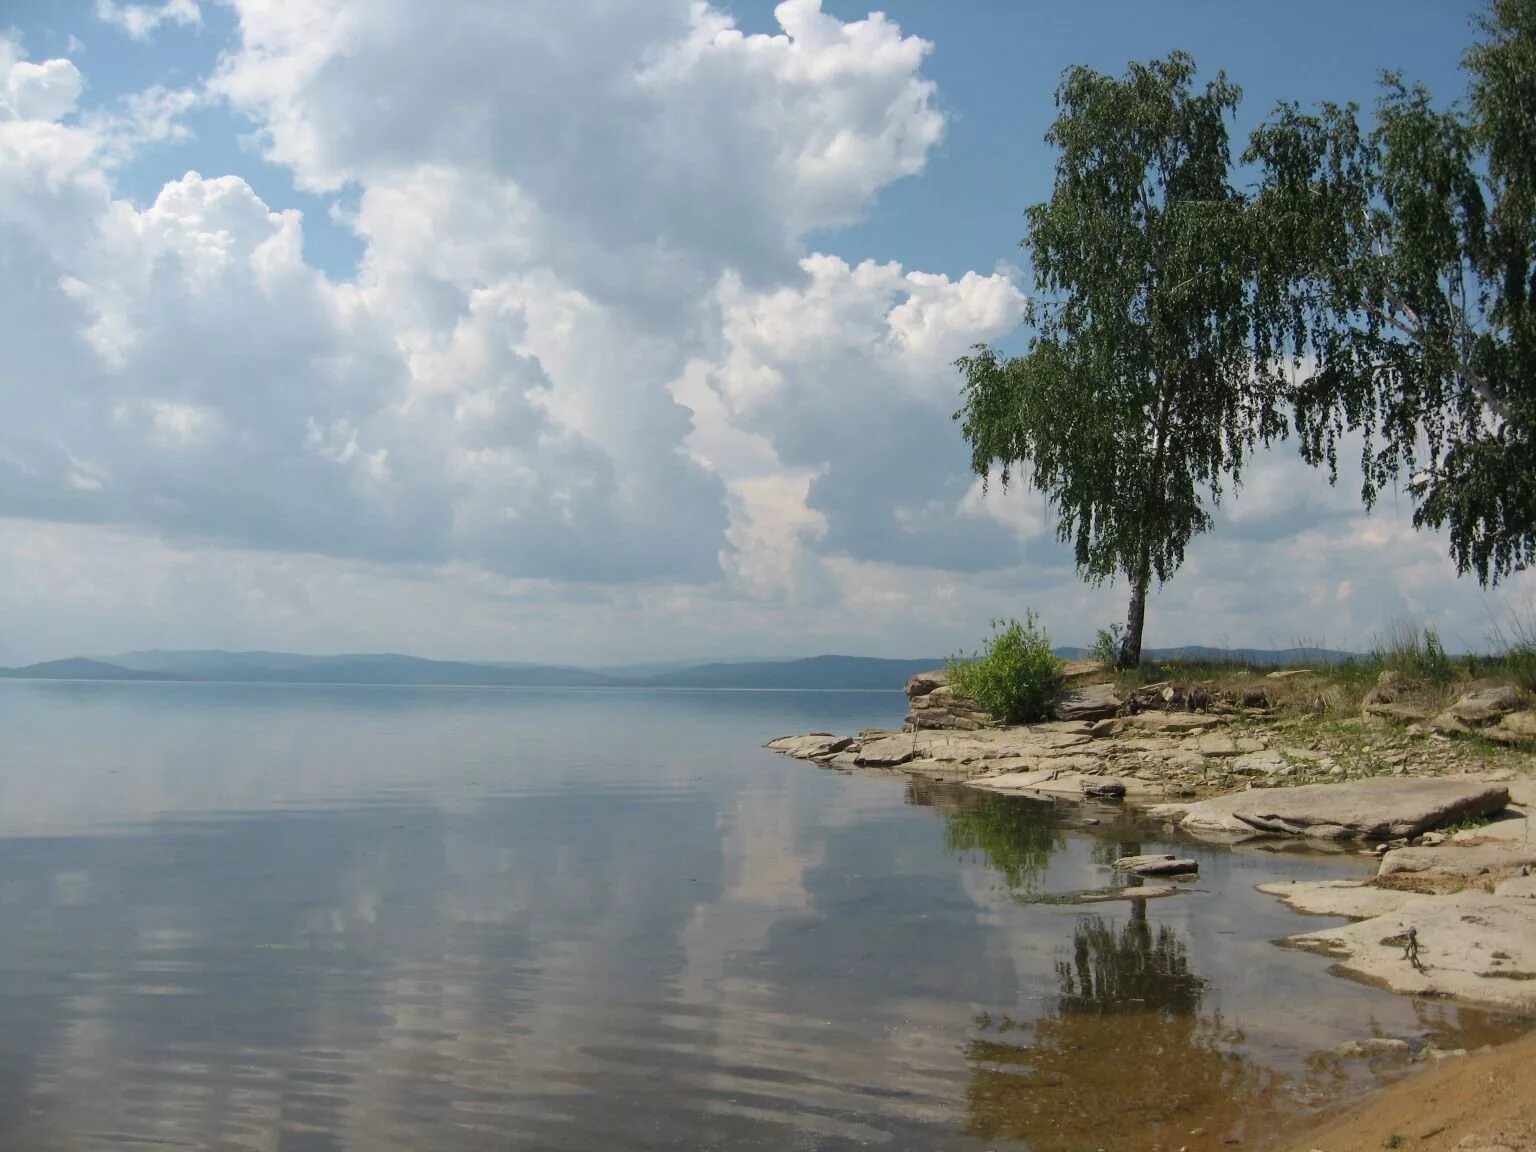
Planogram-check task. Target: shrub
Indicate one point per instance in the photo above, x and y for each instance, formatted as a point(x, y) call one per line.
point(1106, 649)
point(1015, 677)
point(1416, 654)
point(1517, 646)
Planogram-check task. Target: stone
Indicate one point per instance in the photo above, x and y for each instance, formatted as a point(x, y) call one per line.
point(1486, 705)
point(1161, 864)
point(1448, 724)
point(1288, 673)
point(1260, 764)
point(1141, 892)
point(1432, 839)
point(1077, 669)
point(1102, 786)
point(1457, 860)
point(1090, 702)
point(925, 682)
point(811, 747)
point(1514, 728)
point(1391, 710)
point(1206, 816)
point(890, 752)
point(1221, 744)
point(1378, 808)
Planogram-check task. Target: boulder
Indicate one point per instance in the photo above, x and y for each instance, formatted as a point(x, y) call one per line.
point(1162, 864)
point(1380, 808)
point(935, 705)
point(1486, 705)
point(925, 682)
point(1206, 816)
point(1514, 728)
point(1102, 786)
point(1090, 702)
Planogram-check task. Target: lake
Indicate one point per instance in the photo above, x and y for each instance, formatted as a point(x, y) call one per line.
point(300, 918)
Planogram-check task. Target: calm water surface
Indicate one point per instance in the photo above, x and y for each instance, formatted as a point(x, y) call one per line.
point(249, 917)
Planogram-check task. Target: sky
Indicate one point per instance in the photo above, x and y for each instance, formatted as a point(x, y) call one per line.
point(598, 332)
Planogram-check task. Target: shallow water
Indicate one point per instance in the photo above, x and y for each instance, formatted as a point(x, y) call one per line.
point(284, 918)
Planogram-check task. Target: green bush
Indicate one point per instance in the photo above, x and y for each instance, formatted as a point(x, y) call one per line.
point(1015, 677)
point(1106, 649)
point(1517, 647)
point(1415, 654)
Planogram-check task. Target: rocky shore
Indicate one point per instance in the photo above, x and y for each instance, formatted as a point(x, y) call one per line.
point(1440, 796)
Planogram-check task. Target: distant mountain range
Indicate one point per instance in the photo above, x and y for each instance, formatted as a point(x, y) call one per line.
point(815, 672)
point(391, 668)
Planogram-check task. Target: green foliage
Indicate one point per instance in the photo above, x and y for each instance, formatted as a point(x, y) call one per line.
point(1015, 677)
point(1136, 401)
point(1516, 648)
point(1106, 648)
point(1397, 290)
point(1416, 655)
point(1017, 836)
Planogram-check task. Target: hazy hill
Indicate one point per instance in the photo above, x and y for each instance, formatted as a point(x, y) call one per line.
point(80, 668)
point(813, 672)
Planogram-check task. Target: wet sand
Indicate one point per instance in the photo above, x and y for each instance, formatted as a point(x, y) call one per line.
point(1481, 1102)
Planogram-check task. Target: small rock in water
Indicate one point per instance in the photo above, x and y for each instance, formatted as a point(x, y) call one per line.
point(1165, 864)
point(1102, 786)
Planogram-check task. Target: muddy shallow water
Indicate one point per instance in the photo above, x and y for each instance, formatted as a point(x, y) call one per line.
point(255, 917)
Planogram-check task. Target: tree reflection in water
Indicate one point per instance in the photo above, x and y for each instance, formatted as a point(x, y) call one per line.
point(1015, 836)
point(1125, 1060)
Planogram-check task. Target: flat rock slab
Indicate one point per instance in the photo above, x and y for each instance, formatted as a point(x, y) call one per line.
point(1161, 864)
point(811, 747)
point(1458, 859)
point(1054, 782)
point(1472, 946)
point(1355, 899)
point(1221, 744)
point(888, 752)
point(1380, 808)
point(1090, 702)
point(1159, 723)
point(1106, 894)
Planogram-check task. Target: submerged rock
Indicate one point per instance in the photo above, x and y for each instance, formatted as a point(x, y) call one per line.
point(1161, 864)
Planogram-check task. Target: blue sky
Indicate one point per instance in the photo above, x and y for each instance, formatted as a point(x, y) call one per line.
point(592, 327)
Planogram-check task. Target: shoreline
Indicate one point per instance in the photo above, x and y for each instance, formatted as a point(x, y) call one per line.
point(1450, 913)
